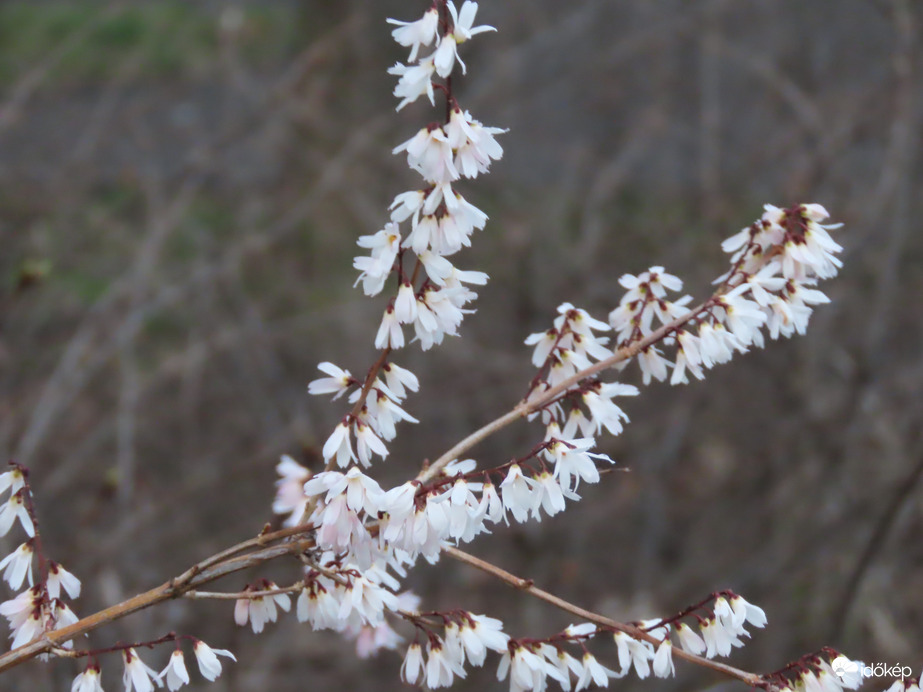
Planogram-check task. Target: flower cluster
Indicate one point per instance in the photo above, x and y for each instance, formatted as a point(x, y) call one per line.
point(432, 293)
point(466, 639)
point(42, 607)
point(775, 264)
point(369, 529)
point(825, 671)
point(139, 676)
point(376, 420)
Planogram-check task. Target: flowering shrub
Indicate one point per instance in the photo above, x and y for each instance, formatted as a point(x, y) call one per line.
point(354, 542)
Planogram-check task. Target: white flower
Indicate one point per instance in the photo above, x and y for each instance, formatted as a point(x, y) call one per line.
point(480, 633)
point(18, 608)
point(474, 144)
point(340, 527)
point(385, 414)
point(261, 609)
point(437, 268)
point(544, 342)
point(519, 493)
point(461, 501)
point(551, 495)
point(175, 672)
point(593, 672)
point(88, 681)
point(405, 305)
point(527, 670)
point(384, 246)
point(12, 480)
point(407, 204)
point(464, 21)
point(368, 443)
point(362, 492)
point(138, 675)
point(631, 651)
point(413, 666)
point(13, 509)
point(743, 611)
point(493, 507)
point(207, 657)
point(430, 154)
point(290, 498)
point(63, 617)
point(689, 640)
point(398, 378)
point(663, 660)
point(573, 459)
point(318, 606)
point(441, 668)
point(390, 334)
point(338, 445)
point(337, 383)
point(717, 638)
point(744, 317)
point(415, 34)
point(446, 54)
point(415, 81)
point(603, 411)
point(18, 565)
point(59, 577)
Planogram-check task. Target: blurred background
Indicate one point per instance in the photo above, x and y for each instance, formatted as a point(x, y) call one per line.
point(181, 187)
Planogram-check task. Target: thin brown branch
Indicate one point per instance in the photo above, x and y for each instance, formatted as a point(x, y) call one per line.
point(523, 408)
point(242, 595)
point(202, 573)
point(528, 587)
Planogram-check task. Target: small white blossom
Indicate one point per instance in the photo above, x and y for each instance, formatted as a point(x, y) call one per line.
point(519, 493)
point(88, 681)
point(339, 446)
point(17, 566)
point(430, 154)
point(415, 81)
point(480, 633)
point(689, 639)
point(13, 509)
point(390, 334)
point(398, 378)
point(663, 660)
point(441, 667)
point(59, 578)
point(422, 32)
point(337, 383)
point(634, 652)
point(528, 670)
point(207, 657)
point(175, 672)
point(593, 672)
point(384, 246)
point(413, 666)
point(290, 498)
point(12, 480)
point(138, 675)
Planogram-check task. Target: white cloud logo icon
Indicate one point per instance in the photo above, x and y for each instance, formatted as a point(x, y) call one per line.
point(842, 666)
